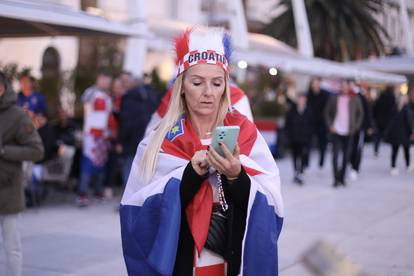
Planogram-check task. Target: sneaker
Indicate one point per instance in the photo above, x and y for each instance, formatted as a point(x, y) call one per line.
point(108, 193)
point(394, 172)
point(353, 175)
point(99, 197)
point(298, 179)
point(82, 201)
point(410, 168)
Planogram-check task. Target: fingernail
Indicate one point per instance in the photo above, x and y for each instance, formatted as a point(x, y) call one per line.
point(220, 143)
point(208, 147)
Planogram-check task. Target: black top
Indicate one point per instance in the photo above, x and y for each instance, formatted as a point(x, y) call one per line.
point(400, 128)
point(237, 197)
point(368, 116)
point(137, 106)
point(317, 104)
point(299, 126)
point(384, 109)
point(49, 142)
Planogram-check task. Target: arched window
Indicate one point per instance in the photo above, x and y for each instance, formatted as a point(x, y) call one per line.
point(50, 62)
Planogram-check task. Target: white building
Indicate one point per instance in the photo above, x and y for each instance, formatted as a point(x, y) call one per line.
point(152, 24)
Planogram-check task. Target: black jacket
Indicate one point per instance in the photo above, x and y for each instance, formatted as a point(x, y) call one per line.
point(49, 141)
point(137, 106)
point(317, 104)
point(299, 126)
point(368, 122)
point(384, 109)
point(400, 127)
point(237, 196)
point(65, 132)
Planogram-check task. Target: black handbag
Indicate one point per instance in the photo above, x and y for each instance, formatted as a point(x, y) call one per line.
point(217, 232)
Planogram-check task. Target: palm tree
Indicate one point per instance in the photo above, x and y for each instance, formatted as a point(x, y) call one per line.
point(340, 29)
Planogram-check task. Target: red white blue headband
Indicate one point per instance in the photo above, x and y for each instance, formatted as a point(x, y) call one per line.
point(195, 47)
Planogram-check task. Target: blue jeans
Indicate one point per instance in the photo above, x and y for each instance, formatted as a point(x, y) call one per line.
point(88, 171)
point(126, 168)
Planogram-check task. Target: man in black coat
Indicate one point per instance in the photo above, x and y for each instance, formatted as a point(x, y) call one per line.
point(299, 127)
point(384, 110)
point(399, 133)
point(358, 141)
point(317, 100)
point(137, 106)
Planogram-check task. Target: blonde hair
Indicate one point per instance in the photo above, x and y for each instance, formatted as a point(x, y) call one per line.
point(176, 108)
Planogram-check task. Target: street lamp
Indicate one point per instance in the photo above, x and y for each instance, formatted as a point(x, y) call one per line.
point(242, 64)
point(273, 71)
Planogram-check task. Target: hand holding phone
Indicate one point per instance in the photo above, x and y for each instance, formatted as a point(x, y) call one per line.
point(224, 152)
point(227, 135)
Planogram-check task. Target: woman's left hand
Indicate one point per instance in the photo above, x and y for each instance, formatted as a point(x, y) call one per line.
point(229, 165)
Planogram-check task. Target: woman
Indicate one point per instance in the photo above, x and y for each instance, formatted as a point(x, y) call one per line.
point(399, 133)
point(299, 126)
point(178, 184)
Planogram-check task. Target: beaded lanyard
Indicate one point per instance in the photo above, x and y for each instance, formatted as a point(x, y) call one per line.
point(220, 192)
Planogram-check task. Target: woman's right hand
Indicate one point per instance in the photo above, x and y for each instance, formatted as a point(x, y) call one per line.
point(199, 162)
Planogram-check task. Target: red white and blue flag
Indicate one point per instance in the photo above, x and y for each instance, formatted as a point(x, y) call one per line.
point(151, 212)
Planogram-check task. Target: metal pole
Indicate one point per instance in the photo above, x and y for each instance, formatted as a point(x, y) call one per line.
point(136, 48)
point(406, 28)
point(303, 34)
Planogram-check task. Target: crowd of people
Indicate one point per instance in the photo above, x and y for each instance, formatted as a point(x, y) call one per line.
point(129, 135)
point(105, 141)
point(102, 144)
point(348, 118)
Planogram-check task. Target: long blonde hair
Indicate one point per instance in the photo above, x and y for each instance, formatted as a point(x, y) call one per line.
point(176, 108)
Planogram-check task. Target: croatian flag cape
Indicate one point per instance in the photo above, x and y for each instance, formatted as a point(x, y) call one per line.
point(151, 212)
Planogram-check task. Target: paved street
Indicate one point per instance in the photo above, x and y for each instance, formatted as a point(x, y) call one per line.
point(371, 221)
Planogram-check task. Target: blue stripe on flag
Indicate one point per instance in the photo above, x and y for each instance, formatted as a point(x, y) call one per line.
point(260, 249)
point(150, 232)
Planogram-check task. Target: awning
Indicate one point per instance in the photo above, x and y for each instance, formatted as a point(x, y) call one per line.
point(270, 52)
point(391, 64)
point(20, 18)
point(318, 67)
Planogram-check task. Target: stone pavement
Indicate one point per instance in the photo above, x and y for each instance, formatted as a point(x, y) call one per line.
point(371, 221)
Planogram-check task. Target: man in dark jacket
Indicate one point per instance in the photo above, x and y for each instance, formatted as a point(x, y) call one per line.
point(357, 147)
point(137, 106)
point(299, 127)
point(399, 133)
point(384, 110)
point(344, 115)
point(19, 141)
point(317, 100)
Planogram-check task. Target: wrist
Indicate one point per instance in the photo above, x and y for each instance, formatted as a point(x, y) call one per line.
point(231, 178)
point(198, 171)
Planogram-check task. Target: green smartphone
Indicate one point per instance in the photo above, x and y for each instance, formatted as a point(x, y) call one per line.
point(227, 135)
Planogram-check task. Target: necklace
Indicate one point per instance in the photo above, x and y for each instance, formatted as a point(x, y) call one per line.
point(220, 192)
